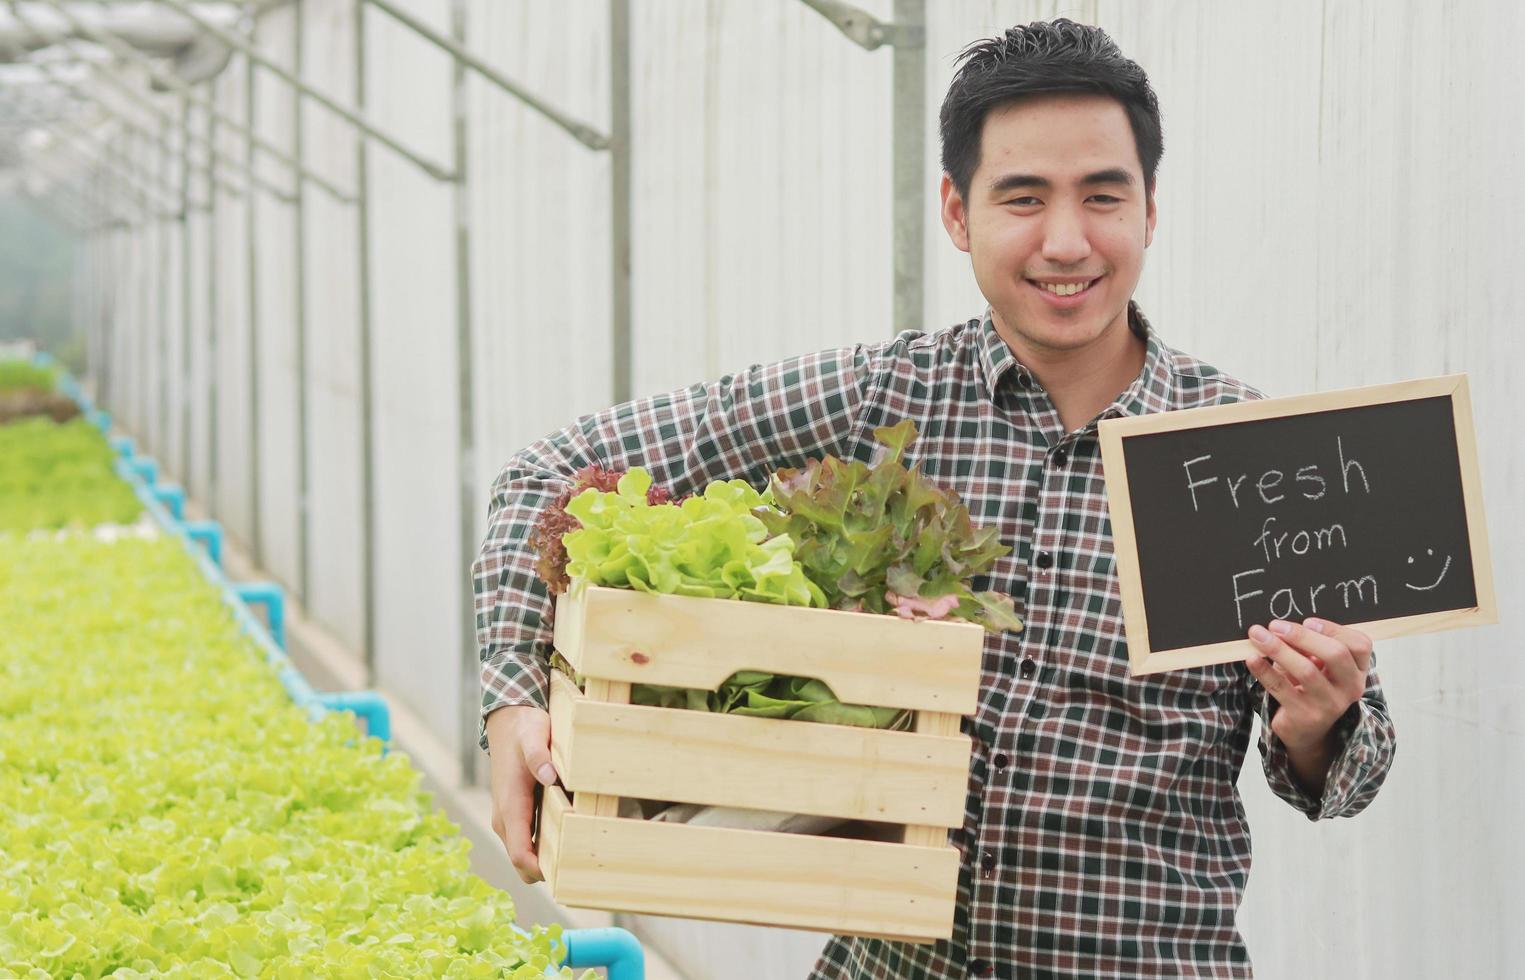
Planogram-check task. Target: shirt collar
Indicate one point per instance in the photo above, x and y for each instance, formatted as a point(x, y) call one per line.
point(1149, 392)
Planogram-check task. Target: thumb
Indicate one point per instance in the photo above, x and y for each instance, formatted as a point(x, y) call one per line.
point(535, 746)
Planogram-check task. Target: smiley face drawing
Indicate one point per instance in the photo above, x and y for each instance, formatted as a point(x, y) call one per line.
point(1444, 569)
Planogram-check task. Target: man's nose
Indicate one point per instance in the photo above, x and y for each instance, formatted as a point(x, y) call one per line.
point(1064, 238)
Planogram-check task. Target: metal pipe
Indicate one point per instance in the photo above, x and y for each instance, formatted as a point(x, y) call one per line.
point(582, 132)
point(299, 221)
point(466, 403)
point(256, 521)
point(173, 82)
point(87, 142)
point(161, 321)
point(622, 381)
point(88, 149)
point(211, 167)
point(136, 126)
point(368, 527)
point(131, 92)
point(238, 43)
point(186, 389)
point(908, 181)
point(864, 29)
point(908, 37)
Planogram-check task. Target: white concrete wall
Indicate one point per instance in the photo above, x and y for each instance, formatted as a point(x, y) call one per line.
point(1338, 202)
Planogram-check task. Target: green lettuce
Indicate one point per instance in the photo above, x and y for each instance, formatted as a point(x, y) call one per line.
point(167, 811)
point(712, 545)
point(55, 475)
point(886, 539)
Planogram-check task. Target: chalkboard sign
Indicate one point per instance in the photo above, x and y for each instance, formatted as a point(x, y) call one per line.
point(1360, 506)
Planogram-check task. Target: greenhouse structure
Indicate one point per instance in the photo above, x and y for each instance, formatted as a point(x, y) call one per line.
point(285, 284)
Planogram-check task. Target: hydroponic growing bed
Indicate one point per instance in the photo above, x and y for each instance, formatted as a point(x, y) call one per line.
point(167, 809)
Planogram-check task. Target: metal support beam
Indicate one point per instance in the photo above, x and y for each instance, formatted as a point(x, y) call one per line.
point(908, 36)
point(585, 134)
point(256, 501)
point(466, 402)
point(187, 399)
point(96, 158)
point(173, 82)
point(138, 127)
point(909, 167)
point(162, 190)
point(299, 223)
point(622, 382)
point(130, 90)
point(369, 530)
point(240, 44)
point(212, 311)
point(161, 322)
point(867, 31)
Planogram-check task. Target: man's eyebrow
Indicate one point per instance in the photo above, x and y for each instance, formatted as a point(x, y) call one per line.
point(1012, 182)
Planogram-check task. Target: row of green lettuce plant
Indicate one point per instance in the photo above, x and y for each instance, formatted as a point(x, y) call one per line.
point(165, 810)
point(56, 475)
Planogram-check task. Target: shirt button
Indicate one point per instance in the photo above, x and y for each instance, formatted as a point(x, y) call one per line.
point(1001, 760)
point(1045, 559)
point(1029, 667)
point(981, 968)
point(987, 863)
point(1061, 457)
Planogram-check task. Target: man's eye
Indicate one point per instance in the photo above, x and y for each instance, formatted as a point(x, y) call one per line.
point(1106, 199)
point(1023, 202)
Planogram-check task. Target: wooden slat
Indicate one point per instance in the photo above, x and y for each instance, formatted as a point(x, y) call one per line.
point(611, 692)
point(677, 641)
point(553, 809)
point(928, 834)
point(759, 763)
point(799, 881)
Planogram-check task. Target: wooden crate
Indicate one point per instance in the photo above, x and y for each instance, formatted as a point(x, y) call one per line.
point(606, 748)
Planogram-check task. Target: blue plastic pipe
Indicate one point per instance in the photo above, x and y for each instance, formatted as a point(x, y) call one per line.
point(172, 496)
point(272, 640)
point(208, 534)
point(146, 468)
point(274, 601)
point(614, 949)
point(368, 705)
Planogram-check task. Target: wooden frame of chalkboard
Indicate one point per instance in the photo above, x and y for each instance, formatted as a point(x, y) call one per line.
point(1192, 627)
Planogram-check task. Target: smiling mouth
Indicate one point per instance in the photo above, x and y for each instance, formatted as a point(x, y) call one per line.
point(1065, 288)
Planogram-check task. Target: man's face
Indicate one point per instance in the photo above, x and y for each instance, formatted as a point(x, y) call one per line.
point(1056, 205)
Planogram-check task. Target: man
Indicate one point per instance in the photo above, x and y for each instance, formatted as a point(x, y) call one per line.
point(1104, 835)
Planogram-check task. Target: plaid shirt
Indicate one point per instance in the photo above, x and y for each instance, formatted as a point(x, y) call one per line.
point(1104, 834)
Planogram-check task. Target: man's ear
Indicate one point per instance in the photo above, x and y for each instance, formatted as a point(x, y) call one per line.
point(955, 216)
point(1150, 214)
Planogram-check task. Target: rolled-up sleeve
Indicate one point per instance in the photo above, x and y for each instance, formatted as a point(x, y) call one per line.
point(742, 426)
point(1367, 743)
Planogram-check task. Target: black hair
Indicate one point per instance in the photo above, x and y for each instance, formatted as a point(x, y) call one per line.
point(1043, 58)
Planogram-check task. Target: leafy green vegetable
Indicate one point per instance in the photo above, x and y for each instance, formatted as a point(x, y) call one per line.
point(764, 695)
point(884, 538)
point(16, 375)
point(57, 475)
point(712, 545)
point(166, 811)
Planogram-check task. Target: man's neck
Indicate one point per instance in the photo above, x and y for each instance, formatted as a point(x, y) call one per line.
point(1083, 382)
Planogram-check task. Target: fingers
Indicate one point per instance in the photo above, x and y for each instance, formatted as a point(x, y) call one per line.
point(515, 816)
point(519, 738)
point(535, 746)
point(1358, 643)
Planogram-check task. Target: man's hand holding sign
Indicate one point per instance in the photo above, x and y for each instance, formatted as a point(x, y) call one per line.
point(1315, 671)
point(1306, 526)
